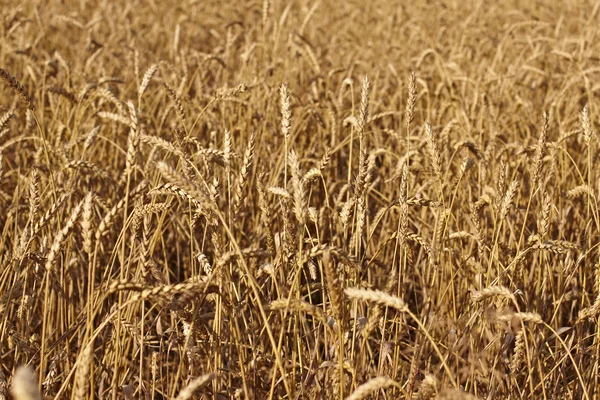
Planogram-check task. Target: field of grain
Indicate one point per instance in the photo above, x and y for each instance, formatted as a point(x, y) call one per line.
point(299, 199)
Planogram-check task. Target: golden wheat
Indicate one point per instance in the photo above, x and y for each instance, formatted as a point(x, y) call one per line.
point(276, 200)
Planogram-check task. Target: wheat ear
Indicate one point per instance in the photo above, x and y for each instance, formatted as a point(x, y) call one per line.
point(372, 385)
point(17, 88)
point(24, 385)
point(188, 391)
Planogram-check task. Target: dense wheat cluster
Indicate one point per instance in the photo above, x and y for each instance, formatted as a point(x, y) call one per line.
point(300, 200)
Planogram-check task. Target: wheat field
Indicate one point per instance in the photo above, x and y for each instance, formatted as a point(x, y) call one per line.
point(299, 200)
